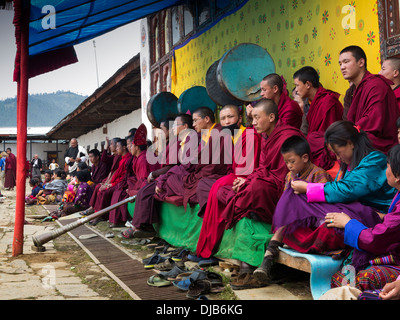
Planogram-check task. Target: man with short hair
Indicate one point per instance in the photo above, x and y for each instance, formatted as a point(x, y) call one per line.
point(74, 154)
point(36, 164)
point(391, 70)
point(374, 105)
point(99, 170)
point(10, 171)
point(325, 109)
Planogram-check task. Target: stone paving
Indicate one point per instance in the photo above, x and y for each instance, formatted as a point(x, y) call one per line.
point(34, 281)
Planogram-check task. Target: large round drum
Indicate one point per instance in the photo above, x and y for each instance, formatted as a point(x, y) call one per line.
point(161, 106)
point(241, 69)
point(193, 98)
point(214, 90)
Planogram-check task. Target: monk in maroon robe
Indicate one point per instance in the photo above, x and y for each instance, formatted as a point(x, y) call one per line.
point(134, 179)
point(214, 158)
point(103, 192)
point(374, 106)
point(147, 202)
point(10, 170)
point(256, 195)
point(325, 109)
point(245, 161)
point(391, 70)
point(99, 170)
point(273, 87)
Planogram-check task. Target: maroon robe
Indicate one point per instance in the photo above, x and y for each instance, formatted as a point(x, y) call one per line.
point(397, 94)
point(325, 109)
point(146, 204)
point(213, 225)
point(262, 189)
point(10, 171)
point(99, 172)
point(102, 198)
point(135, 178)
point(374, 108)
point(289, 111)
point(207, 168)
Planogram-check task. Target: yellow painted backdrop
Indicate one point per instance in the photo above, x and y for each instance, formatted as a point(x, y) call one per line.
point(296, 33)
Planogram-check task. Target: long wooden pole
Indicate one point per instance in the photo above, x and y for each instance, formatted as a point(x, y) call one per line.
point(22, 109)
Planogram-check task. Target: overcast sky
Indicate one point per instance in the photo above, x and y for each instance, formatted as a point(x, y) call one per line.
point(113, 50)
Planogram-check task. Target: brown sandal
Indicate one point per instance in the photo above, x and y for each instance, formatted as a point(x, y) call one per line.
point(245, 281)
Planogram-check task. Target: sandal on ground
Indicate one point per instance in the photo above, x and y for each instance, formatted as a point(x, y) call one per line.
point(142, 234)
point(128, 234)
point(157, 281)
point(167, 265)
point(198, 288)
point(245, 281)
point(214, 277)
point(172, 274)
point(155, 259)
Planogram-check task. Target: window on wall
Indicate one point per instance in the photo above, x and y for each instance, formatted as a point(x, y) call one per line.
point(176, 30)
point(171, 27)
point(389, 27)
point(188, 19)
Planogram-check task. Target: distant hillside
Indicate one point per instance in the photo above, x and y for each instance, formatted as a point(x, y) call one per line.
point(44, 110)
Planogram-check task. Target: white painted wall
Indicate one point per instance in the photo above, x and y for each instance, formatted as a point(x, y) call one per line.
point(117, 128)
point(37, 147)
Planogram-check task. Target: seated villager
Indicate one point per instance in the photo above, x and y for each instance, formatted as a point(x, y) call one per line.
point(373, 105)
point(146, 206)
point(256, 195)
point(99, 170)
point(296, 154)
point(134, 180)
point(360, 190)
point(82, 194)
point(325, 109)
point(109, 155)
point(103, 192)
point(36, 186)
point(376, 250)
point(247, 143)
point(57, 188)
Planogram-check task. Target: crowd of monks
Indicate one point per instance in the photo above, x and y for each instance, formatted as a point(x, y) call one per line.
point(248, 178)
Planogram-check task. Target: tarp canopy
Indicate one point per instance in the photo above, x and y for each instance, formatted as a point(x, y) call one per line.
point(76, 21)
point(55, 26)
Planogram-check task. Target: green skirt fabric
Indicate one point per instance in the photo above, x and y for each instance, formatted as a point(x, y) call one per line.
point(247, 241)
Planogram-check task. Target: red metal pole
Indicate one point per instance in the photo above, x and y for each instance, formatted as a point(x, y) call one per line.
point(22, 109)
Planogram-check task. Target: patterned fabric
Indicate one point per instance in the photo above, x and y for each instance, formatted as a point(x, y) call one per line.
point(313, 174)
point(372, 278)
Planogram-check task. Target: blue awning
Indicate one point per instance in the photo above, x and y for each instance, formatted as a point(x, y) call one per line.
point(77, 21)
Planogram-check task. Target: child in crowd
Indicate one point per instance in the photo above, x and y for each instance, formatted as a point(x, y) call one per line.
point(82, 195)
point(296, 154)
point(57, 187)
point(36, 188)
point(378, 248)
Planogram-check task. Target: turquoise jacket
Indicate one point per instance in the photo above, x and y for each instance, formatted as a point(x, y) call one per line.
point(366, 183)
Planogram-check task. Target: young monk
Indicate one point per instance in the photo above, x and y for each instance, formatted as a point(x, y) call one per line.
point(325, 109)
point(101, 197)
point(214, 161)
point(247, 143)
point(289, 112)
point(391, 70)
point(360, 190)
point(296, 154)
point(374, 106)
point(99, 169)
point(376, 254)
point(135, 178)
point(146, 206)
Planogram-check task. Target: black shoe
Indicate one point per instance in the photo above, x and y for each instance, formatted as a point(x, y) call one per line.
point(263, 273)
